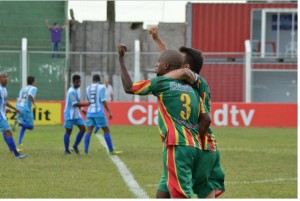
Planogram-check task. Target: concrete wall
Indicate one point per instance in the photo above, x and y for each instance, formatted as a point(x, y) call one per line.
point(92, 36)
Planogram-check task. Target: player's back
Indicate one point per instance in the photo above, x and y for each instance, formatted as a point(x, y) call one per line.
point(23, 101)
point(95, 94)
point(71, 112)
point(179, 111)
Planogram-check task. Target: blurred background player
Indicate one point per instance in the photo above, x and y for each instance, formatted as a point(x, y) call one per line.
point(212, 167)
point(95, 94)
point(24, 103)
point(4, 126)
point(109, 94)
point(55, 33)
point(72, 115)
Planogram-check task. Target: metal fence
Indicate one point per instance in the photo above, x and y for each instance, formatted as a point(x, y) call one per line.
point(271, 80)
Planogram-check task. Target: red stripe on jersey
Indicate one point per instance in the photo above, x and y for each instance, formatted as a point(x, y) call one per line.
point(203, 96)
point(140, 86)
point(172, 182)
point(201, 106)
point(212, 144)
point(171, 130)
point(189, 137)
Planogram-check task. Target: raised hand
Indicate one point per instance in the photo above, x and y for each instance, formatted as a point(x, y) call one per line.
point(122, 49)
point(153, 31)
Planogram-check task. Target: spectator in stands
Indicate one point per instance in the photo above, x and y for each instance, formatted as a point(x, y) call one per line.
point(55, 36)
point(109, 94)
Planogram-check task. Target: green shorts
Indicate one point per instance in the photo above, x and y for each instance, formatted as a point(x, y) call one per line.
point(211, 167)
point(180, 164)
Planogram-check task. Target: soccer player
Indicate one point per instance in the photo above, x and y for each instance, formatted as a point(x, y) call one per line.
point(24, 102)
point(95, 94)
point(179, 109)
point(4, 126)
point(72, 115)
point(214, 186)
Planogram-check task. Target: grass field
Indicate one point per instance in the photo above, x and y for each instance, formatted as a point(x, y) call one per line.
point(258, 163)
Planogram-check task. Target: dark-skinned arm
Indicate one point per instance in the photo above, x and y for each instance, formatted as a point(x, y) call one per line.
point(12, 107)
point(153, 31)
point(183, 74)
point(107, 109)
point(32, 100)
point(126, 79)
point(204, 120)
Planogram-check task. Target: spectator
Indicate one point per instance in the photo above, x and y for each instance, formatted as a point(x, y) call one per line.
point(55, 36)
point(109, 94)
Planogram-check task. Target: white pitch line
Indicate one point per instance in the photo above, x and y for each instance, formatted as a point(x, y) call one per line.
point(132, 184)
point(251, 182)
point(261, 181)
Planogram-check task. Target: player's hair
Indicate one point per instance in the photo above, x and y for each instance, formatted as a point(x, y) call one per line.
point(96, 78)
point(30, 80)
point(75, 78)
point(55, 23)
point(193, 57)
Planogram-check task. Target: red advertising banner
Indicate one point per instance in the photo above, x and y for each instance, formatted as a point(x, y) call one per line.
point(223, 114)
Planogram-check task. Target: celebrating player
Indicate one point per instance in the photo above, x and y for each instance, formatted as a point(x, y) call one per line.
point(179, 109)
point(214, 184)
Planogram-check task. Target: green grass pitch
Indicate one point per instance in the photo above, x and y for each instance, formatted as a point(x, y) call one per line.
point(258, 163)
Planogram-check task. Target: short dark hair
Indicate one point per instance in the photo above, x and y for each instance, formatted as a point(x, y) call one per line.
point(55, 23)
point(96, 78)
point(30, 80)
point(75, 78)
point(193, 57)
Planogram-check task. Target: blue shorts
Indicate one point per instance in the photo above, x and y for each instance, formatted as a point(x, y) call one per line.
point(70, 123)
point(97, 121)
point(4, 126)
point(26, 116)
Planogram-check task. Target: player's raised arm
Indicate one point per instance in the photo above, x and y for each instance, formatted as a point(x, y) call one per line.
point(46, 23)
point(153, 31)
point(126, 79)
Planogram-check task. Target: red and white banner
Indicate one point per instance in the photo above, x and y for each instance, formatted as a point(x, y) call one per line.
point(145, 113)
point(223, 114)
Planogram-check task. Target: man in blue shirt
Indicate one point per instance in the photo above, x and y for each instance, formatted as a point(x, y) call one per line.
point(4, 126)
point(95, 94)
point(24, 102)
point(72, 115)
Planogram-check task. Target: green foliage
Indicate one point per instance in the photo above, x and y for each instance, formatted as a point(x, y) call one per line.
point(258, 162)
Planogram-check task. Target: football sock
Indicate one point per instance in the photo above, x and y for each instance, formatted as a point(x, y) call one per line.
point(12, 146)
point(96, 129)
point(5, 138)
point(78, 139)
point(22, 132)
point(108, 142)
point(67, 142)
point(87, 139)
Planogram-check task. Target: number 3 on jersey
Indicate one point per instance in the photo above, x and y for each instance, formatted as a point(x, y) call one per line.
point(186, 101)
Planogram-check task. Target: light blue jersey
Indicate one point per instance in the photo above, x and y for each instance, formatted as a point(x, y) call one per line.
point(71, 112)
point(95, 94)
point(23, 100)
point(3, 100)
